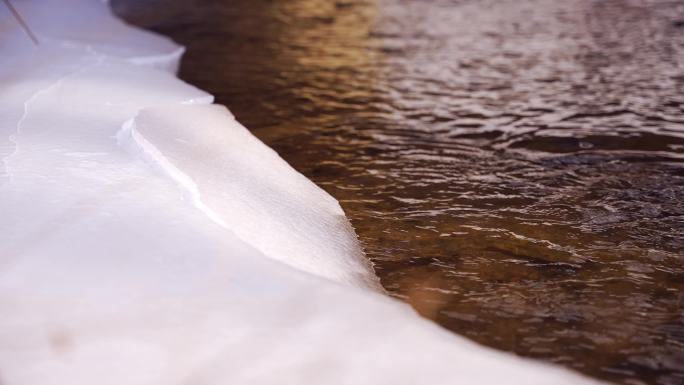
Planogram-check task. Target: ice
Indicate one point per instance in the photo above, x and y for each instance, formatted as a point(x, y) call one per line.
point(45, 66)
point(86, 24)
point(146, 237)
point(291, 219)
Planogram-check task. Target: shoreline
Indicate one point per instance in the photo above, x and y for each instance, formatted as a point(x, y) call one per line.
point(113, 274)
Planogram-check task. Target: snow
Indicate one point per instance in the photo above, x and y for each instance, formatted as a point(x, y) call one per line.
point(147, 237)
point(291, 219)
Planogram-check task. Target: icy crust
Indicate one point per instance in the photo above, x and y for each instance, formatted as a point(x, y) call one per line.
point(290, 220)
point(147, 238)
point(248, 190)
point(90, 25)
point(46, 67)
point(71, 34)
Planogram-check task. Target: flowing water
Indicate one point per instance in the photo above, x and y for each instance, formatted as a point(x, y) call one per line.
point(514, 169)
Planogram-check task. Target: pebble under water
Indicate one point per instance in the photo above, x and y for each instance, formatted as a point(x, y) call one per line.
point(514, 169)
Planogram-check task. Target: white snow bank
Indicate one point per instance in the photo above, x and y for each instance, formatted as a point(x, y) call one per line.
point(89, 25)
point(291, 219)
point(147, 238)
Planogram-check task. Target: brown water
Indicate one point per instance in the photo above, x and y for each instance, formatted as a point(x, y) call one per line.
point(514, 169)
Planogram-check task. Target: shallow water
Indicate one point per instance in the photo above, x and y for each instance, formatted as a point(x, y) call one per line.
point(514, 169)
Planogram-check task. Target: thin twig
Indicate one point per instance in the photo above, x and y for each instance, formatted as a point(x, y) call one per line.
point(21, 21)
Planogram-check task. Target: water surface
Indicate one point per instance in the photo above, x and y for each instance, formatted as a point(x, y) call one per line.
point(514, 169)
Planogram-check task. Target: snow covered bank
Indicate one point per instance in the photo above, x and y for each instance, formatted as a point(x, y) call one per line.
point(146, 237)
